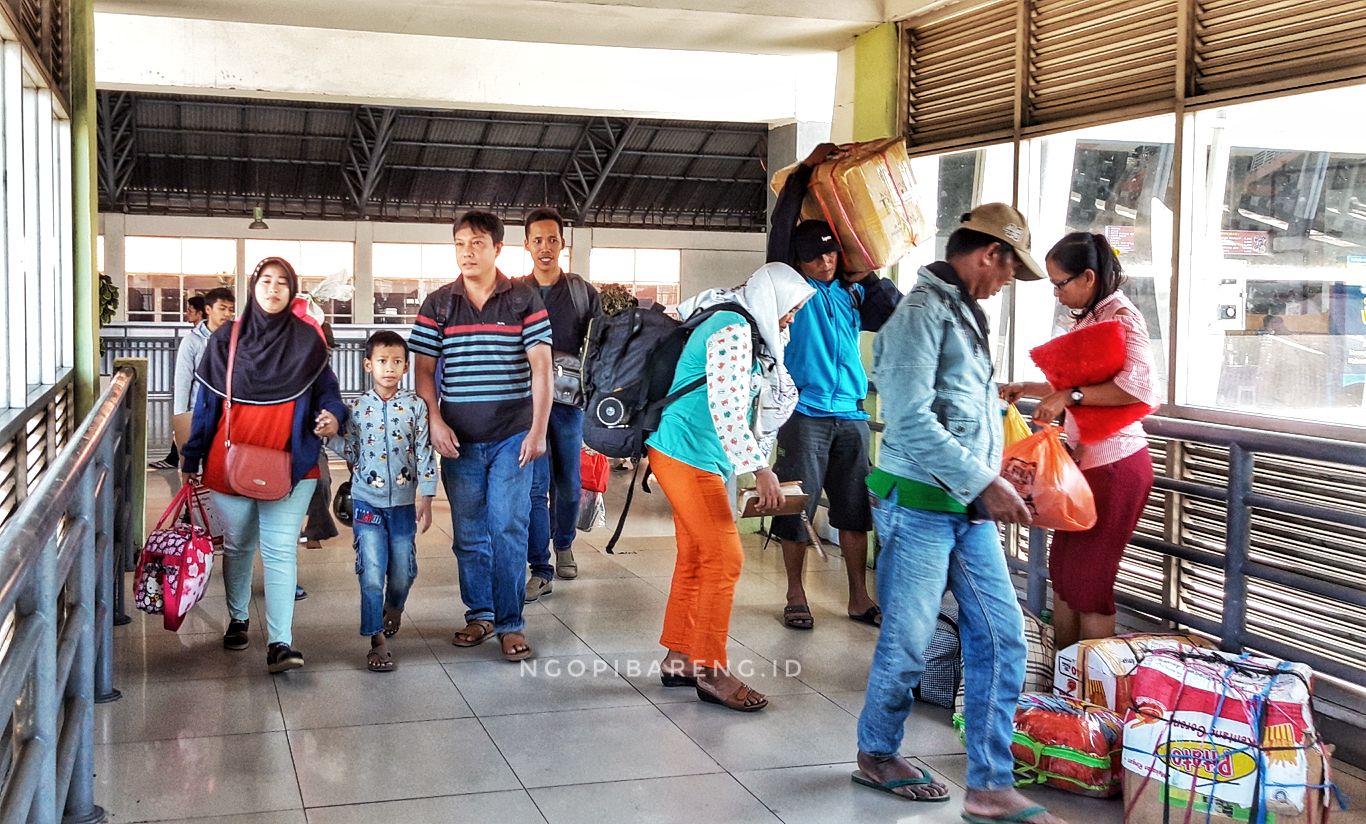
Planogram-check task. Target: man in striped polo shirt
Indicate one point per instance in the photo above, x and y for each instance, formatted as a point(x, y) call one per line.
point(488, 416)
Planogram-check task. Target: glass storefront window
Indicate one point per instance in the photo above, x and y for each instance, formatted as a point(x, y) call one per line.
point(1114, 180)
point(1275, 306)
point(315, 261)
point(163, 272)
point(651, 274)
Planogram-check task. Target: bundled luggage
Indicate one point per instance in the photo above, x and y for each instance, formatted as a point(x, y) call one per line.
point(1100, 671)
point(1066, 744)
point(868, 196)
point(174, 566)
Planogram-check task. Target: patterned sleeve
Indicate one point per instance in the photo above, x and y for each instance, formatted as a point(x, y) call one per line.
point(346, 443)
point(730, 359)
point(535, 322)
point(1136, 377)
point(426, 336)
point(426, 457)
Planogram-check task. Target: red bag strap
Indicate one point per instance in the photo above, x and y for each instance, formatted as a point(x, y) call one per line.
point(179, 502)
point(227, 402)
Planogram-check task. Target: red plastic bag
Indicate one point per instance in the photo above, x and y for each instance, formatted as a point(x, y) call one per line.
point(1052, 486)
point(593, 471)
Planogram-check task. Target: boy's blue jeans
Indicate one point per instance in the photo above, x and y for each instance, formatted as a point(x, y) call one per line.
point(386, 560)
point(921, 553)
point(555, 516)
point(488, 493)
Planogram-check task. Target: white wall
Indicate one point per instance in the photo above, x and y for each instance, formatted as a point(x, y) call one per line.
point(708, 259)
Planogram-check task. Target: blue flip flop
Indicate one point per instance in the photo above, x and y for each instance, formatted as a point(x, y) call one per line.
point(1017, 817)
point(891, 787)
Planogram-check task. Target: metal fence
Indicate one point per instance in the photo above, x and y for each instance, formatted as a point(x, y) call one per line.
point(61, 555)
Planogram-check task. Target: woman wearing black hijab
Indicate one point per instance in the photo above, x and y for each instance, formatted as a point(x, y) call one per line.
point(284, 397)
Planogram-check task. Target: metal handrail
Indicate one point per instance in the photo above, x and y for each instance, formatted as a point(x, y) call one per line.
point(60, 557)
point(1243, 446)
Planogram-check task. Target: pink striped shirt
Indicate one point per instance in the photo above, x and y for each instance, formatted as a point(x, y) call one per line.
point(1136, 378)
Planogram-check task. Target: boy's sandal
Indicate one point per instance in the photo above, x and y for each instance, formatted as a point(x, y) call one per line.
point(518, 649)
point(379, 659)
point(798, 616)
point(393, 621)
point(474, 634)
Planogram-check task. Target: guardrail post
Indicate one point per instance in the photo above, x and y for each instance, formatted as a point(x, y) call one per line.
point(1036, 593)
point(1238, 531)
point(109, 576)
point(80, 805)
point(43, 733)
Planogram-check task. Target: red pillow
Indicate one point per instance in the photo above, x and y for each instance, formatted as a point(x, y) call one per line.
point(1085, 357)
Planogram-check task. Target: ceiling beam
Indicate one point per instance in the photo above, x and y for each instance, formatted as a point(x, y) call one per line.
point(372, 130)
point(599, 147)
point(117, 146)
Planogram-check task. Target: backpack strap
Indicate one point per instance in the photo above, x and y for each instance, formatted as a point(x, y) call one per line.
point(578, 293)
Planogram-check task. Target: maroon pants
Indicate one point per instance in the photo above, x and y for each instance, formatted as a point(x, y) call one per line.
point(1083, 565)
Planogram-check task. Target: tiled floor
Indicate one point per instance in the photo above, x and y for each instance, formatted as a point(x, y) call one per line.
point(583, 733)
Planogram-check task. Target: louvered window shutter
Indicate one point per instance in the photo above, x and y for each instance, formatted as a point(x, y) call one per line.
point(960, 77)
point(1096, 57)
point(1240, 44)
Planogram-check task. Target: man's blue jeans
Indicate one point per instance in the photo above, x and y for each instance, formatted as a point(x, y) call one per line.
point(922, 552)
point(386, 560)
point(555, 489)
point(488, 493)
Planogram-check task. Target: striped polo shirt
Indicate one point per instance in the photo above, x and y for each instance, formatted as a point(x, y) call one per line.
point(485, 380)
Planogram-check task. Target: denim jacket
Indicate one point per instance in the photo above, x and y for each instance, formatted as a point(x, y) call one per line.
point(388, 446)
point(933, 372)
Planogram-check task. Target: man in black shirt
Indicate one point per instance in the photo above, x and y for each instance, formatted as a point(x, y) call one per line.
point(572, 302)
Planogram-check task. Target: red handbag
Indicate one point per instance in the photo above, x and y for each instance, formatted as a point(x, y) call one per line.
point(252, 471)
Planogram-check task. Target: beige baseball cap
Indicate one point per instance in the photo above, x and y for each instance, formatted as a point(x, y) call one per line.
point(1008, 226)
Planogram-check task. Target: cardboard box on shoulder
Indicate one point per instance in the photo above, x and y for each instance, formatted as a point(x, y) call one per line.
point(867, 195)
point(1098, 671)
point(1231, 735)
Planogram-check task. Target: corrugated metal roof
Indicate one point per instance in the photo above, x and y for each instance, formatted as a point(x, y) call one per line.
point(217, 156)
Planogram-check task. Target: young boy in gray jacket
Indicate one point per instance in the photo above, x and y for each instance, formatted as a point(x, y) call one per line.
point(393, 481)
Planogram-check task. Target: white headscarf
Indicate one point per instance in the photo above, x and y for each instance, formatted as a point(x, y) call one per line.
point(771, 292)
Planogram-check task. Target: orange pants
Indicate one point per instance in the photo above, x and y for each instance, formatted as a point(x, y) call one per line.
point(697, 619)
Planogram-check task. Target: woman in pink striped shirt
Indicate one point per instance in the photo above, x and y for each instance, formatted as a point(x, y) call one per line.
point(1087, 277)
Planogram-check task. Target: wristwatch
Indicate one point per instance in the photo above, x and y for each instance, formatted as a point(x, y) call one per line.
point(1075, 395)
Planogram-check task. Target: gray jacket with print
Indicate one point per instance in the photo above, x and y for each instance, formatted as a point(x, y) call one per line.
point(389, 448)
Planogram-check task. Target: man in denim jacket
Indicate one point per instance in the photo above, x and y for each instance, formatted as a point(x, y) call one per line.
point(938, 496)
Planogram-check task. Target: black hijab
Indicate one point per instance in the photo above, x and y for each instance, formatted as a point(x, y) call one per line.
point(278, 356)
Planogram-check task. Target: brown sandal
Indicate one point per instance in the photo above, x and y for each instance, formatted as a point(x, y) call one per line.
point(474, 634)
point(380, 659)
point(738, 700)
point(520, 650)
point(393, 621)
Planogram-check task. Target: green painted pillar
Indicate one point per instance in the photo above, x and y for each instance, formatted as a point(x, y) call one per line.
point(85, 206)
point(875, 68)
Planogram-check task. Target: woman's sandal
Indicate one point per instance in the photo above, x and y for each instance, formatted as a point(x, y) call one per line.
point(519, 650)
point(474, 634)
point(738, 700)
point(798, 616)
point(393, 621)
point(379, 659)
point(675, 677)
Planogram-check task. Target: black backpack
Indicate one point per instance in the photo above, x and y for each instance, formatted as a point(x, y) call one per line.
point(628, 366)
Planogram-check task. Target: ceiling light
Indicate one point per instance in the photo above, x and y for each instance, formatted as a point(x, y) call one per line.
point(257, 219)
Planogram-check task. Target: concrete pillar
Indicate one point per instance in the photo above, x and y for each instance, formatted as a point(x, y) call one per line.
point(85, 205)
point(363, 275)
point(875, 69)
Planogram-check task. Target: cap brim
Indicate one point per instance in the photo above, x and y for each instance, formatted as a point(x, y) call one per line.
point(1030, 269)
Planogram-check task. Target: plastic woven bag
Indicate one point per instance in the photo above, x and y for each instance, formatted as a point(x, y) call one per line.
point(1016, 427)
point(1052, 486)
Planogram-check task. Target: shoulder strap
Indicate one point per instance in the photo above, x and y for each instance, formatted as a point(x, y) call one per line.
point(578, 292)
point(232, 359)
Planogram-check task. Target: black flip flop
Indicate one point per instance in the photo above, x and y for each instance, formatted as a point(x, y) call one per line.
point(869, 616)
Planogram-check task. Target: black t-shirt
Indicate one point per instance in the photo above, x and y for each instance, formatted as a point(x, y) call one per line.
point(568, 326)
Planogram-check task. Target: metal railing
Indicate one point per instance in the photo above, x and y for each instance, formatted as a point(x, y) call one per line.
point(61, 561)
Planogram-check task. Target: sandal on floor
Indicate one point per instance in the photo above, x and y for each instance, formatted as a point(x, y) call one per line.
point(872, 616)
point(393, 621)
point(736, 700)
point(798, 616)
point(474, 634)
point(1017, 817)
point(891, 787)
point(519, 650)
point(380, 659)
point(675, 677)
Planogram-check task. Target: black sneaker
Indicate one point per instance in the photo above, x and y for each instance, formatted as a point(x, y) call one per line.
point(281, 657)
point(236, 637)
point(299, 593)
